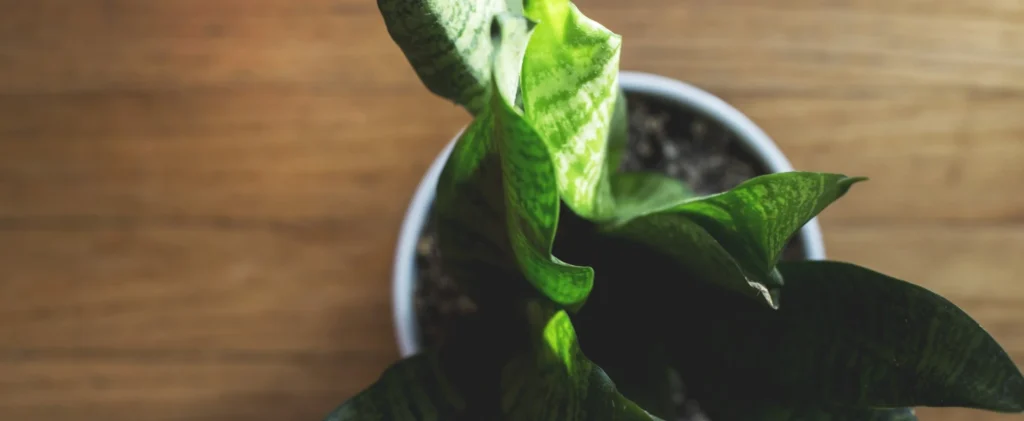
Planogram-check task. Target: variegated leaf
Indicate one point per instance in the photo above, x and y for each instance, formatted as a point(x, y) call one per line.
point(570, 93)
point(497, 200)
point(448, 43)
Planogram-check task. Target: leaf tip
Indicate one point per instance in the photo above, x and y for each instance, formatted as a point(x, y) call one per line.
point(768, 297)
point(847, 182)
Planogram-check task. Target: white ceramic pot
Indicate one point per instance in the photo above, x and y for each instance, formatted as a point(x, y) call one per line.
point(688, 96)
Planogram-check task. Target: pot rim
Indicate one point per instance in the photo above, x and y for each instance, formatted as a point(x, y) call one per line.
point(755, 139)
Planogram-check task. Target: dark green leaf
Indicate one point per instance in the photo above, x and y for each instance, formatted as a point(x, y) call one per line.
point(844, 336)
point(414, 389)
point(448, 43)
point(747, 411)
point(734, 238)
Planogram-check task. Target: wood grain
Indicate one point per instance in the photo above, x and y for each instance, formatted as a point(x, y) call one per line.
point(199, 198)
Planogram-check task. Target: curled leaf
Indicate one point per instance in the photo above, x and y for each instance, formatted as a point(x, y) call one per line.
point(570, 95)
point(500, 170)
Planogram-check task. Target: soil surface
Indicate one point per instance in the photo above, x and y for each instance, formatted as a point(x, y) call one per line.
point(662, 137)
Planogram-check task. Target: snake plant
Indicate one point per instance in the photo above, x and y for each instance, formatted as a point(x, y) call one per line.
point(595, 286)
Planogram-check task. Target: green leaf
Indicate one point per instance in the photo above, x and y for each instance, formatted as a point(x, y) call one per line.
point(844, 336)
point(497, 200)
point(570, 95)
point(754, 220)
point(557, 382)
point(448, 43)
point(413, 389)
point(546, 378)
point(734, 238)
point(746, 411)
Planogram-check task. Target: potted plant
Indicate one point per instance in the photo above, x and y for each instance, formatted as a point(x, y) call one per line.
point(603, 279)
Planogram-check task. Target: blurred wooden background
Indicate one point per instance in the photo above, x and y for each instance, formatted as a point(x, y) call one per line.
point(199, 198)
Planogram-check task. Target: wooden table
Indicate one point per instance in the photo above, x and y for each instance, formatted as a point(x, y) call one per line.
point(199, 198)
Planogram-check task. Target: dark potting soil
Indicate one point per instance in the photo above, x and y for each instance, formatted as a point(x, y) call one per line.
point(663, 138)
